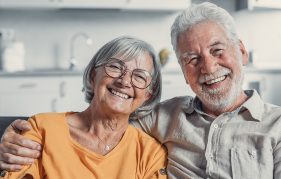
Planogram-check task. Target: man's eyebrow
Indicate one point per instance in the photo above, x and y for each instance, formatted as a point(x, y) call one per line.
point(186, 54)
point(217, 43)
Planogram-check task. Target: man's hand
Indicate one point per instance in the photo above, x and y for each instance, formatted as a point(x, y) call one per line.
point(15, 150)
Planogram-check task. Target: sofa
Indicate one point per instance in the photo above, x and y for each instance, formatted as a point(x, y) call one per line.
point(5, 121)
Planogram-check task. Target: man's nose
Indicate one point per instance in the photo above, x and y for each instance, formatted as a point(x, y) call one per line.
point(209, 64)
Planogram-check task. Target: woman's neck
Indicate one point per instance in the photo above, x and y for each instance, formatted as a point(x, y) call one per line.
point(96, 122)
point(96, 131)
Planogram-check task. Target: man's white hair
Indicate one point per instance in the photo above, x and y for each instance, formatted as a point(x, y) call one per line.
point(197, 13)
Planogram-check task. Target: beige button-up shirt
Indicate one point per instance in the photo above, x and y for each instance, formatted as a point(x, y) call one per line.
point(243, 144)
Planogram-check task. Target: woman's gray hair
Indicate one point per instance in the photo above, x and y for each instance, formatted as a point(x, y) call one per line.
point(197, 13)
point(127, 48)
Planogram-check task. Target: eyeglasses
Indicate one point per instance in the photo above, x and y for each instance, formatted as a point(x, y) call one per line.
point(116, 68)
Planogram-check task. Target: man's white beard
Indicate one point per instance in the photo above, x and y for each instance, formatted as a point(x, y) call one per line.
point(223, 98)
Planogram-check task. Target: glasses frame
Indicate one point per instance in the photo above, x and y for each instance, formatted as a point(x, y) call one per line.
point(125, 70)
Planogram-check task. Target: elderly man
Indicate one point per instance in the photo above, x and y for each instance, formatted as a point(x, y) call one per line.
point(224, 132)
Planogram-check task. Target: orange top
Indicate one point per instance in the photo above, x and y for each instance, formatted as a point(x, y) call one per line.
point(136, 156)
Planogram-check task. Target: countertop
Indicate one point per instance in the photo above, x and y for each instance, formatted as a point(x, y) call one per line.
point(42, 72)
point(64, 72)
point(263, 70)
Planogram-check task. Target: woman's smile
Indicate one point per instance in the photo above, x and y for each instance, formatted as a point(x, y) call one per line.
point(119, 93)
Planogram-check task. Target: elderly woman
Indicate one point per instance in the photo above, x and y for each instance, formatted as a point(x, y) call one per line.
point(121, 82)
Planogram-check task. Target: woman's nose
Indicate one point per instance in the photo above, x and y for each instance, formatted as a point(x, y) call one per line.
point(125, 79)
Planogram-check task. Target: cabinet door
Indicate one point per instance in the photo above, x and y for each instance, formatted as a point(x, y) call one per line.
point(71, 95)
point(173, 84)
point(96, 4)
point(158, 4)
point(25, 96)
point(267, 84)
point(19, 4)
point(272, 4)
point(27, 3)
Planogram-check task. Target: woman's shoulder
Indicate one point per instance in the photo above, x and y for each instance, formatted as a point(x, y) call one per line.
point(47, 119)
point(143, 138)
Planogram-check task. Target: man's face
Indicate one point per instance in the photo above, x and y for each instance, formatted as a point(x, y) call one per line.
point(212, 64)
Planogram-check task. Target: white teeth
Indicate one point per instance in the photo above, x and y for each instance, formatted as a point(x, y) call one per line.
point(119, 94)
point(216, 80)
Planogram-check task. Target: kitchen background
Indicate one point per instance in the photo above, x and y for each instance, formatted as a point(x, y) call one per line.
point(41, 38)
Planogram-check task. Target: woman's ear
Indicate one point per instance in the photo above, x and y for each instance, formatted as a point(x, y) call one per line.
point(245, 56)
point(148, 94)
point(93, 74)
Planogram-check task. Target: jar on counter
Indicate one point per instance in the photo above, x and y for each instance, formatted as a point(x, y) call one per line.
point(12, 52)
point(13, 57)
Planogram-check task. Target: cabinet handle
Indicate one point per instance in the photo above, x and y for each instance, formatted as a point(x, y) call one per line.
point(28, 85)
point(263, 84)
point(62, 89)
point(54, 105)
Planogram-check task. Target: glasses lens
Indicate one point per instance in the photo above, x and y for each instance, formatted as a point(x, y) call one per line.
point(141, 78)
point(114, 69)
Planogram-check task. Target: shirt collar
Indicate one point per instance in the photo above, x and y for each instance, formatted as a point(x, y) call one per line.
point(193, 105)
point(197, 106)
point(188, 107)
point(254, 105)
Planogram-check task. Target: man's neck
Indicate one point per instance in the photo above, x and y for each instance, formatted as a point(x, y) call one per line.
point(236, 104)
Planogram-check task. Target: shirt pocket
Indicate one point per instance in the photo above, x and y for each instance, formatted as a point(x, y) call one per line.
point(251, 163)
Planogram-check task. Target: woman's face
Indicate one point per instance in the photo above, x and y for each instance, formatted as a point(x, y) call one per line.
point(118, 95)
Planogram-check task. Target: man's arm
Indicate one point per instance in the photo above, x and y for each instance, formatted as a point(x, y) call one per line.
point(16, 150)
point(146, 123)
point(277, 161)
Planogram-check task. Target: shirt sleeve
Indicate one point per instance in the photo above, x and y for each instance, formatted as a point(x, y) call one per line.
point(146, 123)
point(156, 168)
point(277, 161)
point(35, 169)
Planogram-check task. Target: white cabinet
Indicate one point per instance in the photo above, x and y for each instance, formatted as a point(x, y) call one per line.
point(273, 4)
point(266, 82)
point(92, 4)
point(157, 4)
point(71, 95)
point(28, 4)
point(173, 84)
point(258, 4)
point(169, 5)
point(24, 96)
point(162, 5)
point(27, 95)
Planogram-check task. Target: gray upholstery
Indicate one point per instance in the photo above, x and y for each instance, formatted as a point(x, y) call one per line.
point(5, 121)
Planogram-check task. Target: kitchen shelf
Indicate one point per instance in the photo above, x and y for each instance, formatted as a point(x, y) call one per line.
point(124, 5)
point(258, 4)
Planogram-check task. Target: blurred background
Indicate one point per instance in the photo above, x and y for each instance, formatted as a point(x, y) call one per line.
point(45, 45)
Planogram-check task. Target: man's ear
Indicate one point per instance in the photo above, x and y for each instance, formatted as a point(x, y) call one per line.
point(245, 56)
point(183, 73)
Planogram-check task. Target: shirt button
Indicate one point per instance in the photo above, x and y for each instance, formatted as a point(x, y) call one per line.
point(163, 171)
point(253, 153)
point(216, 126)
